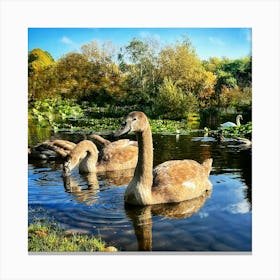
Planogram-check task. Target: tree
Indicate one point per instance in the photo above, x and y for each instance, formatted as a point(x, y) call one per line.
point(138, 61)
point(38, 60)
point(232, 77)
point(180, 64)
point(73, 75)
point(172, 103)
point(106, 77)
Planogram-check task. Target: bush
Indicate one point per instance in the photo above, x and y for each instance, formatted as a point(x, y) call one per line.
point(172, 103)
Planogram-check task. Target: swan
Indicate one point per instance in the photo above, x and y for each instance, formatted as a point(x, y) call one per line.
point(51, 149)
point(171, 181)
point(117, 155)
point(59, 149)
point(229, 124)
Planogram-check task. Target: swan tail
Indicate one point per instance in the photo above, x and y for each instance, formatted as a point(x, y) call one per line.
point(207, 164)
point(100, 140)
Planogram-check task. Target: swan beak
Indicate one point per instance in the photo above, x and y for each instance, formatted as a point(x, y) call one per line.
point(124, 130)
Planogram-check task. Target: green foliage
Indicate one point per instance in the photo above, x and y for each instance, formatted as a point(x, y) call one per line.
point(172, 103)
point(48, 111)
point(181, 65)
point(48, 237)
point(244, 130)
point(168, 126)
point(233, 77)
point(236, 97)
point(66, 115)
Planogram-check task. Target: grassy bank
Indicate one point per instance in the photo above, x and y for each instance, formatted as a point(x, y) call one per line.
point(49, 237)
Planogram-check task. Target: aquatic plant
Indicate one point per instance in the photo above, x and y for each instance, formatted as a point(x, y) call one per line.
point(51, 111)
point(244, 130)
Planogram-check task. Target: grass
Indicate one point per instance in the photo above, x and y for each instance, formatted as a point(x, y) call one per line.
point(48, 237)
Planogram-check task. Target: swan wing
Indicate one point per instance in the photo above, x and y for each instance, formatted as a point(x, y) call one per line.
point(228, 124)
point(179, 180)
point(99, 140)
point(52, 149)
point(119, 155)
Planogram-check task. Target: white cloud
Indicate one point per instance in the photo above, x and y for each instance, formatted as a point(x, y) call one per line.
point(239, 208)
point(216, 41)
point(67, 41)
point(203, 215)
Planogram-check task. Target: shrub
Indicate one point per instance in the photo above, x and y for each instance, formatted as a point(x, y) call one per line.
point(172, 103)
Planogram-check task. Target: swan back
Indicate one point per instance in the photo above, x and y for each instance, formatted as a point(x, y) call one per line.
point(231, 124)
point(51, 149)
point(179, 180)
point(228, 124)
point(118, 155)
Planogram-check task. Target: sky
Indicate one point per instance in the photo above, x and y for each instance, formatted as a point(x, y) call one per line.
point(232, 43)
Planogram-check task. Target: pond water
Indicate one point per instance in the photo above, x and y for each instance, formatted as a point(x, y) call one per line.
point(218, 221)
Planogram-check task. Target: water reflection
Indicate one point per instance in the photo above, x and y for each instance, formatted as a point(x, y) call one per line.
point(142, 220)
point(88, 192)
point(86, 195)
point(117, 177)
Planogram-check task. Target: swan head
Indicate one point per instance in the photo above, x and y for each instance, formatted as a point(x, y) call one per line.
point(134, 122)
point(70, 163)
point(239, 117)
point(84, 155)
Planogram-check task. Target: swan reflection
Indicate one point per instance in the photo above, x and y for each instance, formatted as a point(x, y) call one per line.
point(141, 217)
point(88, 195)
point(116, 177)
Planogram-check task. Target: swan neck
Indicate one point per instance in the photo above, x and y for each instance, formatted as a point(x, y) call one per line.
point(87, 152)
point(238, 121)
point(144, 168)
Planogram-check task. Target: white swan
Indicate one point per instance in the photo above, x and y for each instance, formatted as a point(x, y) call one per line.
point(230, 124)
point(171, 181)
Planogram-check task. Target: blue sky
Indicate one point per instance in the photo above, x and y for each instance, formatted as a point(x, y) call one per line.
point(208, 42)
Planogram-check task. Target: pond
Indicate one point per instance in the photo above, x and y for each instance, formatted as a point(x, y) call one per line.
point(220, 221)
